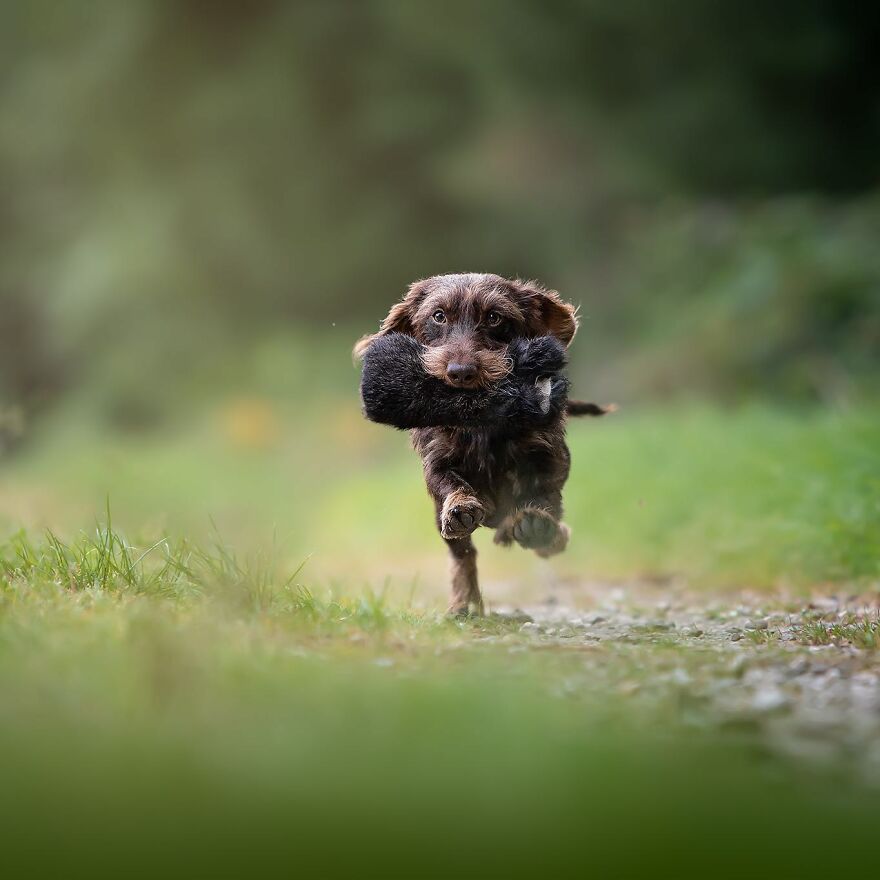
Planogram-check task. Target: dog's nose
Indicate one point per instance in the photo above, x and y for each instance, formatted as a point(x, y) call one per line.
point(461, 373)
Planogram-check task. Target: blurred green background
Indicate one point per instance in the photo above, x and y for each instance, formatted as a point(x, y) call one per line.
point(204, 204)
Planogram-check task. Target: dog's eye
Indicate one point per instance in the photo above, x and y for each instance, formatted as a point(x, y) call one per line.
point(439, 316)
point(493, 319)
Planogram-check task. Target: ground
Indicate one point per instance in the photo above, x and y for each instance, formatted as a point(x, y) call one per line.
point(692, 688)
point(185, 704)
point(802, 677)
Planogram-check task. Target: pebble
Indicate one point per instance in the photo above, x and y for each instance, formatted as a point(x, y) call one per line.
point(769, 699)
point(681, 676)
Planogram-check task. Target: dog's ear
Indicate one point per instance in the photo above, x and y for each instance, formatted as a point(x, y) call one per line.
point(546, 311)
point(398, 320)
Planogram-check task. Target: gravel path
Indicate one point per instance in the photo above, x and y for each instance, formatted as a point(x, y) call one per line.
point(802, 678)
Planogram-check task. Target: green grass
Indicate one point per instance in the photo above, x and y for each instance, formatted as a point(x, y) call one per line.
point(166, 708)
point(860, 633)
point(750, 496)
point(106, 563)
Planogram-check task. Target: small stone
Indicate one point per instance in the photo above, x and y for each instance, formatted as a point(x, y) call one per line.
point(681, 676)
point(798, 667)
point(769, 699)
point(512, 616)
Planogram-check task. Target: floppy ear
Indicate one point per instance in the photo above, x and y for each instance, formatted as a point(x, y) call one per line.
point(547, 313)
point(398, 320)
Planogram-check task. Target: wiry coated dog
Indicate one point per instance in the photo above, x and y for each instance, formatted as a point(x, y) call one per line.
point(473, 365)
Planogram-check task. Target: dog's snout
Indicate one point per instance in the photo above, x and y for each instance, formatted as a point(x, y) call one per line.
point(461, 374)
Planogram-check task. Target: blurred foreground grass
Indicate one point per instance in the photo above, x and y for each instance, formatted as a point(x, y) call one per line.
point(177, 710)
point(172, 706)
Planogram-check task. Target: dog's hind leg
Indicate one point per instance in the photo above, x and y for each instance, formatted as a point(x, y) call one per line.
point(465, 597)
point(536, 525)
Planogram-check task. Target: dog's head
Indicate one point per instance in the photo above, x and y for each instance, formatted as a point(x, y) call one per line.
point(466, 322)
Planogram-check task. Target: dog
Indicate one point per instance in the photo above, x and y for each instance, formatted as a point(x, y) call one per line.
point(473, 365)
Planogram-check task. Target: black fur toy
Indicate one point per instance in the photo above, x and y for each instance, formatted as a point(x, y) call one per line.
point(397, 390)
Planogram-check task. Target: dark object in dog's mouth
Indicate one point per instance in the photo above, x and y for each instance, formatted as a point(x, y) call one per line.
point(542, 383)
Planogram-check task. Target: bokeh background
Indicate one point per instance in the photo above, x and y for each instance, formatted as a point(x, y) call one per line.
point(203, 205)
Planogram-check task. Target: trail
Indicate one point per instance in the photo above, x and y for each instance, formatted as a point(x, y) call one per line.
point(802, 677)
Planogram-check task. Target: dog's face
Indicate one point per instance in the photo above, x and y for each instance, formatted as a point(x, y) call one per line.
point(466, 322)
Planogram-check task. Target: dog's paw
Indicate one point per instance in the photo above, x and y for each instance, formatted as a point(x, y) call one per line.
point(461, 514)
point(464, 610)
point(534, 528)
point(558, 544)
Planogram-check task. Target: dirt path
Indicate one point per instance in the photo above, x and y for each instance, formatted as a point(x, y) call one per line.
point(802, 678)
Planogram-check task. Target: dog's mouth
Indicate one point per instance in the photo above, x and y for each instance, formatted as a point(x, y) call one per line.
point(479, 369)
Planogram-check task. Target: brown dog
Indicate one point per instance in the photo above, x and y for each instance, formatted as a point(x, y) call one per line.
point(472, 364)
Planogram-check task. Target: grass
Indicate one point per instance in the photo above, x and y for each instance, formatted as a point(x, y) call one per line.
point(861, 632)
point(175, 706)
point(751, 496)
point(182, 709)
point(107, 563)
point(847, 629)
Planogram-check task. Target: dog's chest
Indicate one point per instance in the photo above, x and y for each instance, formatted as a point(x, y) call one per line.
point(490, 461)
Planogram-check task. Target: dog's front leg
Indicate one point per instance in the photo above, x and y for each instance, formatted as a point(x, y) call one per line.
point(465, 597)
point(459, 512)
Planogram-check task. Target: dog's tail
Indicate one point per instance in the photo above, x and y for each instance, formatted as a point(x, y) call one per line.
point(580, 408)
